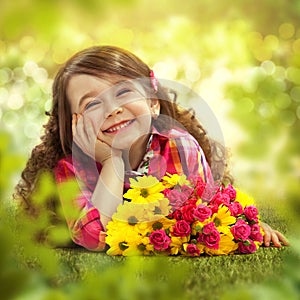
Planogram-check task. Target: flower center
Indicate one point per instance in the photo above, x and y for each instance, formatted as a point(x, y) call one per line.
point(144, 193)
point(217, 222)
point(123, 246)
point(132, 220)
point(157, 210)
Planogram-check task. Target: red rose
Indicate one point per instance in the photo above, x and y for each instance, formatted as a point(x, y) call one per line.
point(251, 213)
point(200, 187)
point(159, 240)
point(235, 208)
point(187, 212)
point(241, 230)
point(255, 233)
point(210, 236)
point(230, 191)
point(192, 250)
point(202, 212)
point(177, 215)
point(181, 228)
point(247, 247)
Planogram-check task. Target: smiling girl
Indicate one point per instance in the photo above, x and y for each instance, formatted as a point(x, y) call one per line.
point(112, 120)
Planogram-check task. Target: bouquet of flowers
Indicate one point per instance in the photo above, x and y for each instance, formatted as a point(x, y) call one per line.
point(176, 216)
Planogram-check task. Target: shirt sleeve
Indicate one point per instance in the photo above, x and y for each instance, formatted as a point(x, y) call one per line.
point(83, 220)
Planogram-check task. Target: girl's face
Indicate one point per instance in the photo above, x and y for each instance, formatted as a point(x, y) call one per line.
point(118, 108)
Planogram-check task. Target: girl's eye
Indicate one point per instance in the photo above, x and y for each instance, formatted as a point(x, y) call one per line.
point(123, 92)
point(92, 103)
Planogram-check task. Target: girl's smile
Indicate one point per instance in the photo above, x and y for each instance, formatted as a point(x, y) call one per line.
point(118, 127)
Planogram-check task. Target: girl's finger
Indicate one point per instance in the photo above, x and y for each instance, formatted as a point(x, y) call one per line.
point(275, 240)
point(282, 238)
point(267, 238)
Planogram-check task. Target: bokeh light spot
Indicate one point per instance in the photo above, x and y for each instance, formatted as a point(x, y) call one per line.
point(40, 75)
point(293, 74)
point(5, 76)
point(298, 112)
point(266, 110)
point(268, 66)
point(10, 118)
point(282, 101)
point(29, 68)
point(295, 93)
point(271, 42)
point(15, 101)
point(296, 46)
point(27, 42)
point(4, 94)
point(288, 117)
point(286, 30)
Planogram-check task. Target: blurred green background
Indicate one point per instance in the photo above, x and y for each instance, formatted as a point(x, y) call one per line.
point(242, 57)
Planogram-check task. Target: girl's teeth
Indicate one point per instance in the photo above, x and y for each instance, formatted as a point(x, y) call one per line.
point(115, 128)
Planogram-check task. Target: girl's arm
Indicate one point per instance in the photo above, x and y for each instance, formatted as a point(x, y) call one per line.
point(93, 207)
point(108, 193)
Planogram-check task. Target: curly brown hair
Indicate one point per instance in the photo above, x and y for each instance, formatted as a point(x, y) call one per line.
point(101, 61)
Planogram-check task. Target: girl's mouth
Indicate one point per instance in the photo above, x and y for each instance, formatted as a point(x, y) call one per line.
point(119, 126)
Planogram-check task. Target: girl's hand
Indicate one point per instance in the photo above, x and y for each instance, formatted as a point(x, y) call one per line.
point(90, 141)
point(273, 236)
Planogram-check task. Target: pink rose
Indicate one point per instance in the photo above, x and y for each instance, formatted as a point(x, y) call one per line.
point(220, 198)
point(255, 233)
point(176, 198)
point(202, 212)
point(181, 228)
point(187, 190)
point(241, 230)
point(210, 236)
point(192, 250)
point(159, 240)
point(235, 208)
point(247, 247)
point(188, 212)
point(251, 213)
point(230, 191)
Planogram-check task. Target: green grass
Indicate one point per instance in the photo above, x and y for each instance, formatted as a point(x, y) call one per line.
point(196, 278)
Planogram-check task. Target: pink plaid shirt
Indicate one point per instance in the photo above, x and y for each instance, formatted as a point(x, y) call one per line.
point(175, 152)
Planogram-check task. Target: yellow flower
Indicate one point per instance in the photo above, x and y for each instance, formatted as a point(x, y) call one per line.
point(144, 189)
point(158, 209)
point(226, 245)
point(177, 244)
point(130, 212)
point(244, 199)
point(223, 219)
point(170, 180)
point(122, 239)
point(163, 223)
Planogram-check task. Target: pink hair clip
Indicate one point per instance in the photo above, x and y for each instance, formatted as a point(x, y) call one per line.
point(154, 81)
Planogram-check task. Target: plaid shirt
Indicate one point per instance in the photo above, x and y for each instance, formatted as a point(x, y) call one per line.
point(175, 152)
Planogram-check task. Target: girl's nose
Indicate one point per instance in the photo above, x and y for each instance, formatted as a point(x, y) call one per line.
point(116, 111)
